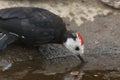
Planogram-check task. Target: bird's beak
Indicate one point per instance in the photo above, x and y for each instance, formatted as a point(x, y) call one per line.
point(82, 58)
point(81, 55)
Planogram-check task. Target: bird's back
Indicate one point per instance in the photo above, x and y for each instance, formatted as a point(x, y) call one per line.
point(35, 24)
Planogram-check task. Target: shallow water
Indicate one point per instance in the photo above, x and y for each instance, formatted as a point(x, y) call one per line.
point(86, 75)
point(31, 70)
point(29, 74)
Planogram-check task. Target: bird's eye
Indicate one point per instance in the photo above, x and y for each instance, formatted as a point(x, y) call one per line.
point(77, 48)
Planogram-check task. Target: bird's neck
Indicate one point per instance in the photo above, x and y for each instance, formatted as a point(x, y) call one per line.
point(65, 36)
point(62, 38)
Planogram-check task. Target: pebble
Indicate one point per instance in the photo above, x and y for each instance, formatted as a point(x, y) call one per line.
point(112, 3)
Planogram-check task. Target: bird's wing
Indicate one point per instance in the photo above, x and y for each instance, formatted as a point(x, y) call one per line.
point(46, 36)
point(6, 39)
point(38, 34)
point(17, 12)
point(34, 23)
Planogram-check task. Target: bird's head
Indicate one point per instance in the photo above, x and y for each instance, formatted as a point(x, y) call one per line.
point(74, 42)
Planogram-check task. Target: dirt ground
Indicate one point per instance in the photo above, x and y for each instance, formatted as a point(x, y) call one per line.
point(102, 42)
point(99, 26)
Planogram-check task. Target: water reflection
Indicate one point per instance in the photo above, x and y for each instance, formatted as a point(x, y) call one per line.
point(43, 69)
point(26, 71)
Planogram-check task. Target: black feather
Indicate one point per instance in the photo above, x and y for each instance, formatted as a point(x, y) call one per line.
point(35, 24)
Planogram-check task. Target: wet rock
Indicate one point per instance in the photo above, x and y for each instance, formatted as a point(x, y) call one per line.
point(74, 76)
point(75, 73)
point(112, 3)
point(56, 56)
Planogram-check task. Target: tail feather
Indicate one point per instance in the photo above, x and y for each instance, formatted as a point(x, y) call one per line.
point(6, 39)
point(3, 39)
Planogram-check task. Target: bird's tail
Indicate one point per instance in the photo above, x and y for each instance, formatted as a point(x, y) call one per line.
point(2, 41)
point(6, 39)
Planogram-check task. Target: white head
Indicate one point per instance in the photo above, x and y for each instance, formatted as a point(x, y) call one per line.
point(76, 44)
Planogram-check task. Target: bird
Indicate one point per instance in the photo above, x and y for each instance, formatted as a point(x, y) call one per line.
point(37, 26)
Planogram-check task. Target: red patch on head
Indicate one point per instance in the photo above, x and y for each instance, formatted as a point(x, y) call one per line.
point(80, 37)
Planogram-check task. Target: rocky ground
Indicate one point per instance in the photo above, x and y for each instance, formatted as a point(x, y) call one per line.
point(98, 24)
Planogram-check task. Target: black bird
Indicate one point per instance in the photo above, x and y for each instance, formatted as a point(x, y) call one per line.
point(37, 26)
